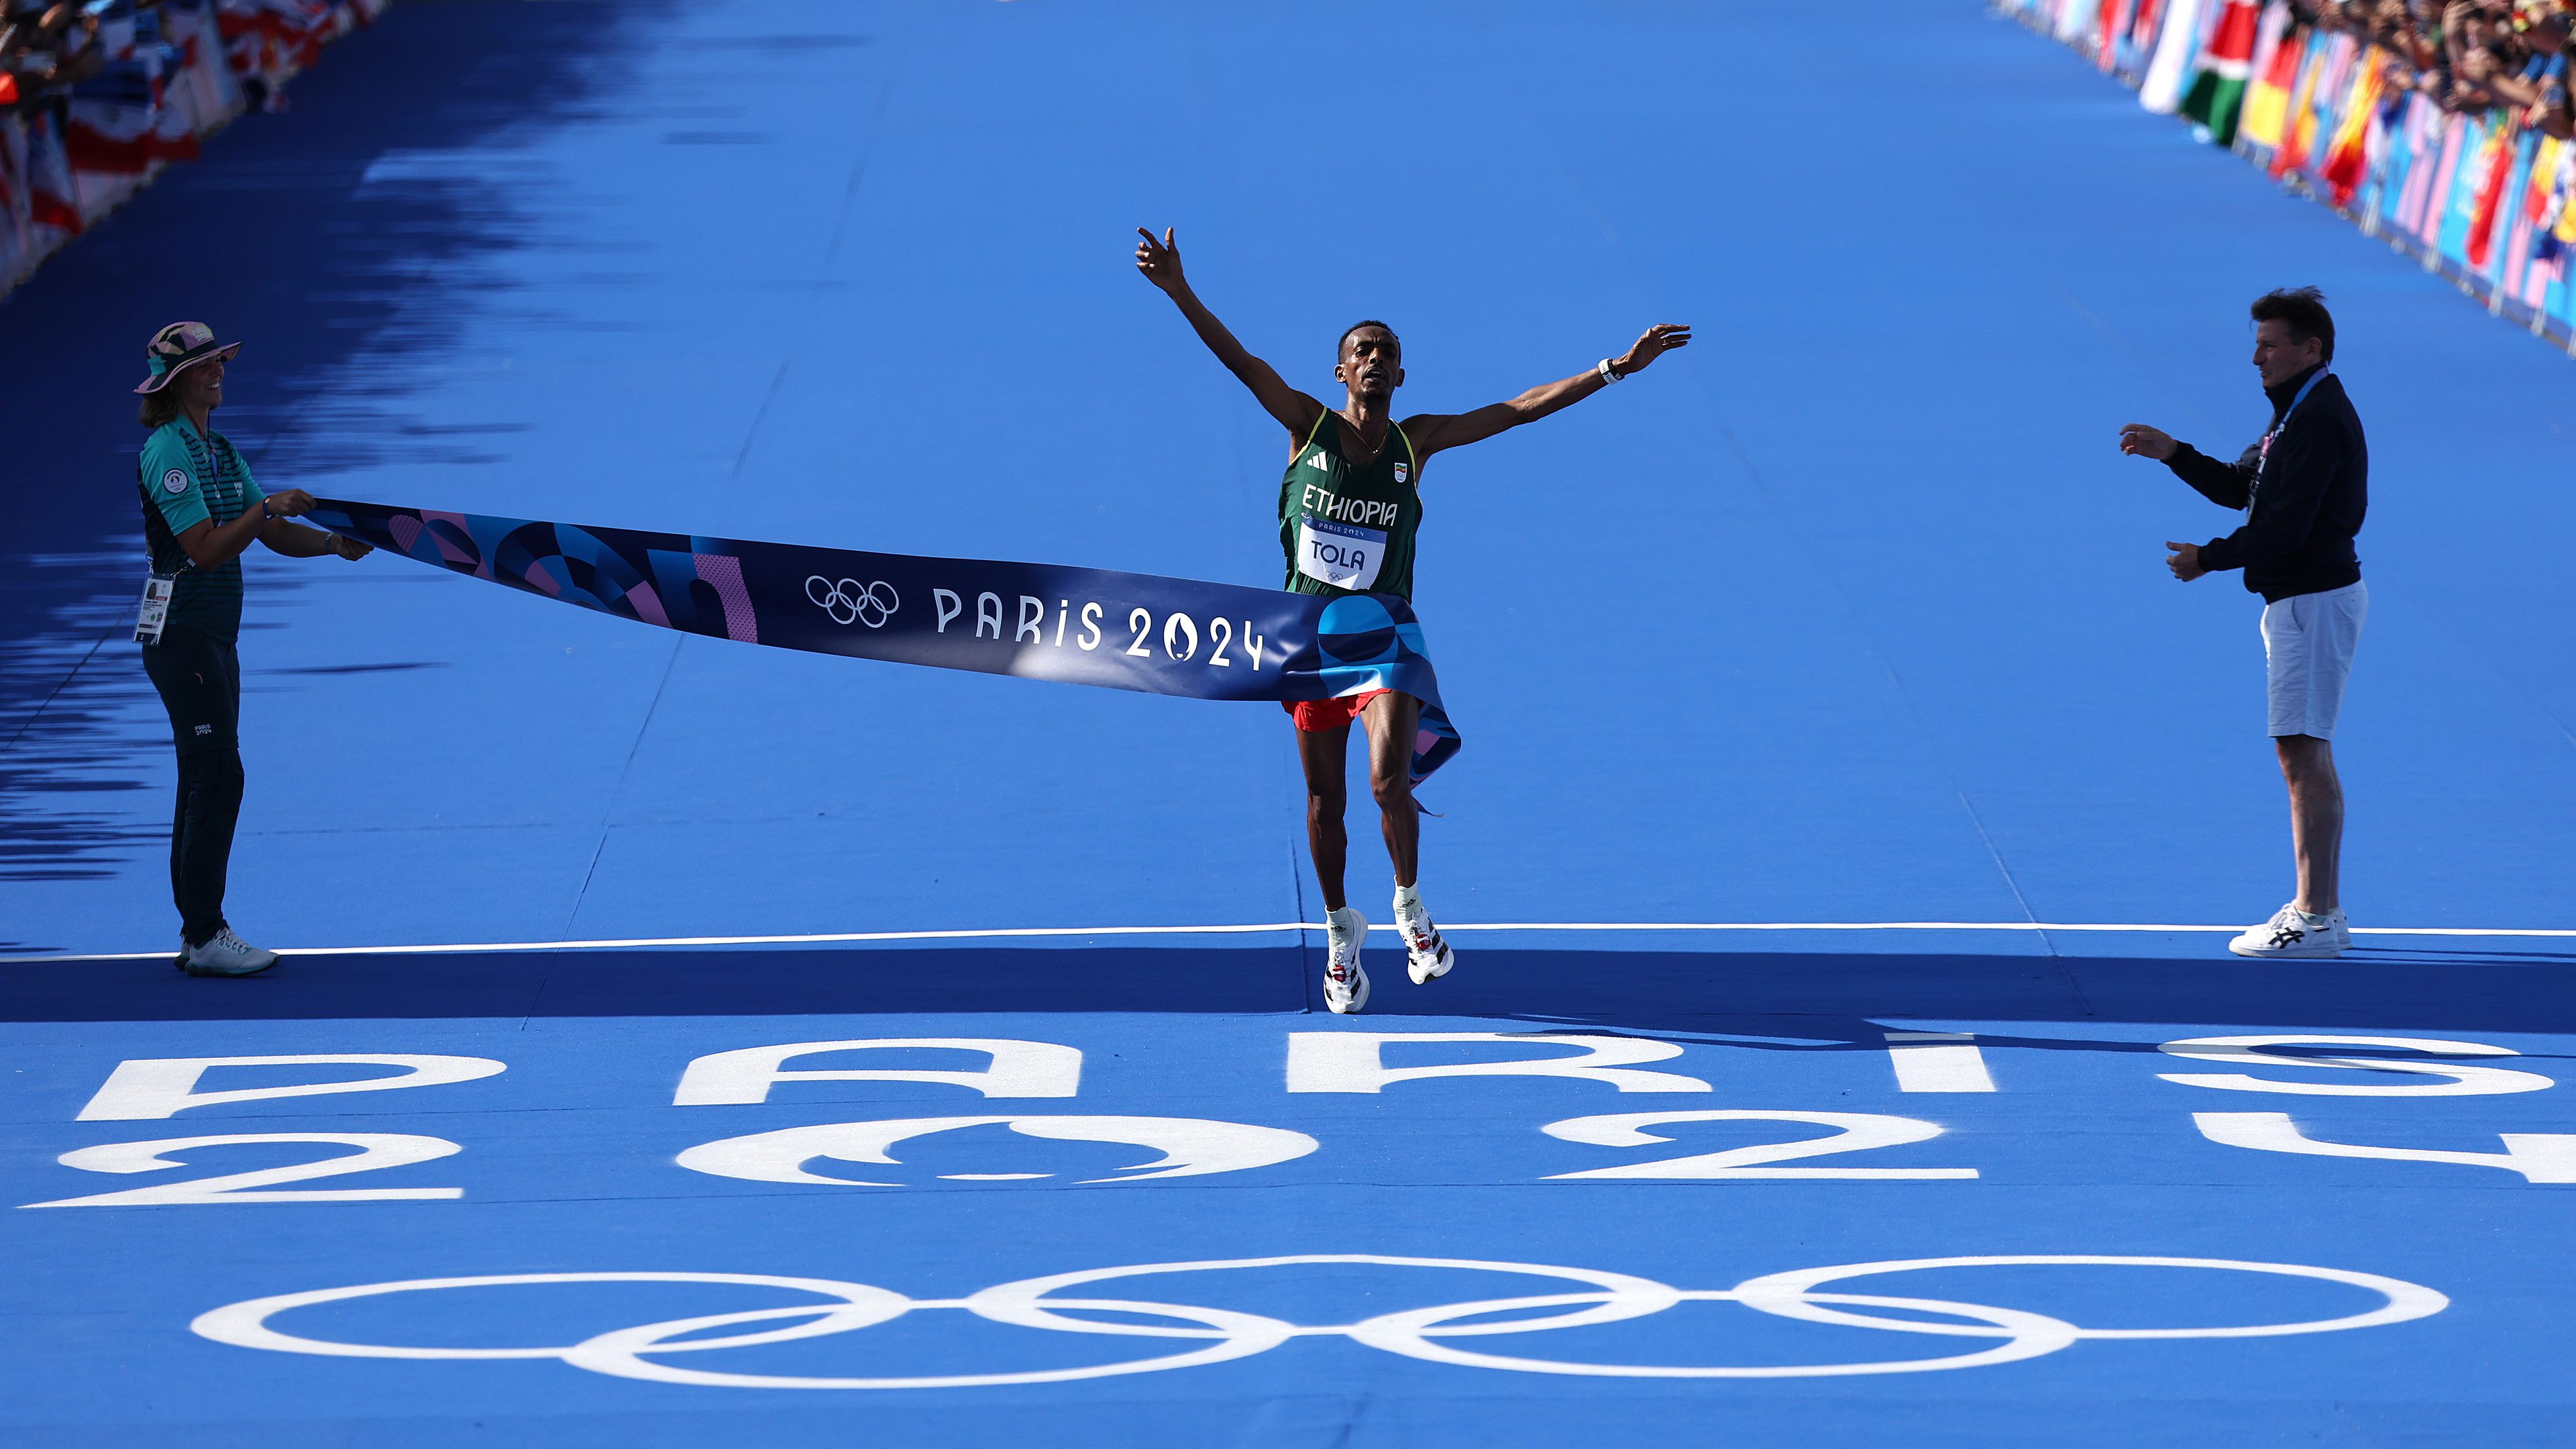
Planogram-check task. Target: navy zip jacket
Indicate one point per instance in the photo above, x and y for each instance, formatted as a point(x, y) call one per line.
point(2307, 499)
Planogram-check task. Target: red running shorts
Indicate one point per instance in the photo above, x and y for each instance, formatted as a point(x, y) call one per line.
point(1323, 716)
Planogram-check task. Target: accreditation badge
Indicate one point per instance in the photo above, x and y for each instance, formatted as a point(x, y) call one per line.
point(154, 617)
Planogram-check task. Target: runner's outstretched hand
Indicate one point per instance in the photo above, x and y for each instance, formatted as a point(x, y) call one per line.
point(1661, 338)
point(1160, 261)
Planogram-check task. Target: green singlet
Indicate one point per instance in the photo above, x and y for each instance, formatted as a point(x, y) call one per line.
point(1349, 529)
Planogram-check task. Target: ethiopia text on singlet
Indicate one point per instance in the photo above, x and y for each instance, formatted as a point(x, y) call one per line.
point(1348, 528)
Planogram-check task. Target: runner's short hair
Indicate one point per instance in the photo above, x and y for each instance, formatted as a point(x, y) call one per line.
point(1344, 345)
point(2302, 310)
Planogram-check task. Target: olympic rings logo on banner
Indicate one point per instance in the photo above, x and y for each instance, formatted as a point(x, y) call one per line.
point(847, 600)
point(1217, 1335)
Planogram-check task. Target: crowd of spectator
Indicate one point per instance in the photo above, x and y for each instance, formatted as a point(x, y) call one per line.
point(2469, 55)
point(43, 51)
point(2444, 126)
point(96, 95)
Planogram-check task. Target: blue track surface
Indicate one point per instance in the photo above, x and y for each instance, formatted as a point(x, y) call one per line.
point(1850, 613)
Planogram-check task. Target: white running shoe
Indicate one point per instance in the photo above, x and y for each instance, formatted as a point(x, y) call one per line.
point(1346, 986)
point(225, 954)
point(2342, 928)
point(2293, 932)
point(1427, 956)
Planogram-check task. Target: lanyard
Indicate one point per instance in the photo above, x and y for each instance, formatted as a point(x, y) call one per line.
point(2264, 450)
point(203, 449)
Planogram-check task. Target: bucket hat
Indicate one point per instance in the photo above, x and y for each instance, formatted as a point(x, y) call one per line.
point(181, 345)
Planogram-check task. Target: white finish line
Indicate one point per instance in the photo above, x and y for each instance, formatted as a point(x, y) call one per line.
point(1023, 932)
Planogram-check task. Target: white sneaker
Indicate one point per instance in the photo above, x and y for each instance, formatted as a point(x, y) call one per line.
point(1427, 956)
point(2293, 932)
point(2342, 928)
point(1346, 986)
point(225, 954)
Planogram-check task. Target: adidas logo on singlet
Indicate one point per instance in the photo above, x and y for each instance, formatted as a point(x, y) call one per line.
point(1316, 460)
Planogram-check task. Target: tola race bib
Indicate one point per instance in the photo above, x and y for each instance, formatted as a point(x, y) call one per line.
point(1339, 554)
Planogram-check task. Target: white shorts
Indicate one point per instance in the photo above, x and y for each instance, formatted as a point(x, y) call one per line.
point(2308, 641)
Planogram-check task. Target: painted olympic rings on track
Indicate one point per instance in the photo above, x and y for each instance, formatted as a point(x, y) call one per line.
point(1791, 1294)
point(1223, 1334)
point(847, 600)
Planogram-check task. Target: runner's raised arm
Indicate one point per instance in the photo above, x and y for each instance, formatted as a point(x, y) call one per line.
point(1432, 432)
point(1160, 261)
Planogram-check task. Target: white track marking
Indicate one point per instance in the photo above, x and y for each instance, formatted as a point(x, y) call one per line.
point(635, 1352)
point(2538, 1156)
point(1938, 1061)
point(1011, 932)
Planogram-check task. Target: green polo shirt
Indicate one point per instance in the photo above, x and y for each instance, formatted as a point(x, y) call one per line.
point(188, 479)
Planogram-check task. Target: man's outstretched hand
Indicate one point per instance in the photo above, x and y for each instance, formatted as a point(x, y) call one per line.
point(1160, 261)
point(2139, 440)
point(2184, 560)
point(1661, 338)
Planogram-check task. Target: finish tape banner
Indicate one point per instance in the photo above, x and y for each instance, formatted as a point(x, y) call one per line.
point(1035, 621)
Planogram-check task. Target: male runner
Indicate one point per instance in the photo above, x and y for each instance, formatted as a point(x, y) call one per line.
point(1349, 508)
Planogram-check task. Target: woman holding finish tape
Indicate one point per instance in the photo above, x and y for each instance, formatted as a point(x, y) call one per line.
point(200, 511)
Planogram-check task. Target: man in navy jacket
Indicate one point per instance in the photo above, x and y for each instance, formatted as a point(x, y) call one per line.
point(2304, 488)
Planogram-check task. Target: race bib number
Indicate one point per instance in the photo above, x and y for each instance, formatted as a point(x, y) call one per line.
point(1340, 555)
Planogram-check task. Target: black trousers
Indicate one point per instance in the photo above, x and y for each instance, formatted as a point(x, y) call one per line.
point(199, 680)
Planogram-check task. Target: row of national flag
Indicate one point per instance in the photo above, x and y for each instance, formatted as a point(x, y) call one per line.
point(173, 72)
point(2476, 192)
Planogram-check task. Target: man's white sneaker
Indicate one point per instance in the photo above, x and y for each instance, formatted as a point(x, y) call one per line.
point(2293, 933)
point(1427, 956)
point(2342, 928)
point(225, 954)
point(1346, 985)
